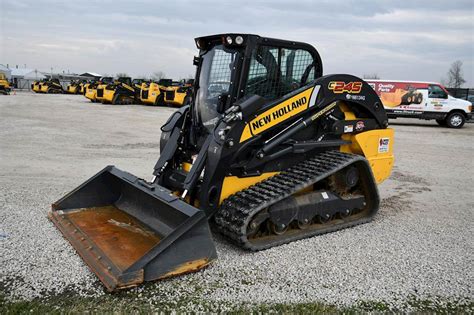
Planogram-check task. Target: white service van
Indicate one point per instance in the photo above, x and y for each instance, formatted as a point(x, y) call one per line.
point(422, 100)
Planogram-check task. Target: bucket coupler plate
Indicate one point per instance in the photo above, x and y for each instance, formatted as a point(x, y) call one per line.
point(128, 231)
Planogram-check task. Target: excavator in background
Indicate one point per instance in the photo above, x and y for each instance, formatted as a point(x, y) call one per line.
point(179, 93)
point(122, 91)
point(5, 87)
point(152, 93)
point(51, 86)
point(91, 89)
point(269, 151)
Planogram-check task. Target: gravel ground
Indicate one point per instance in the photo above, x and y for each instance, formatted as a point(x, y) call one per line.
point(418, 247)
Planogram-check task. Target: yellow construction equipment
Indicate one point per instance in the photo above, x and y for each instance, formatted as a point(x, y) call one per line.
point(122, 91)
point(74, 87)
point(51, 86)
point(4, 84)
point(269, 149)
point(179, 93)
point(152, 93)
point(93, 87)
point(82, 86)
point(36, 86)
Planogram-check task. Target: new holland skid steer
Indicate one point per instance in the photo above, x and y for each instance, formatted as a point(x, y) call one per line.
point(269, 151)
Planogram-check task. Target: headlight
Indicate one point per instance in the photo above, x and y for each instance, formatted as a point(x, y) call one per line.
point(229, 40)
point(239, 40)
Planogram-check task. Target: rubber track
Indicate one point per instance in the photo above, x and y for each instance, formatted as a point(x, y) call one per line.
point(236, 211)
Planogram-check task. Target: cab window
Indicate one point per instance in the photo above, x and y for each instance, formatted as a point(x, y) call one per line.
point(435, 91)
point(275, 71)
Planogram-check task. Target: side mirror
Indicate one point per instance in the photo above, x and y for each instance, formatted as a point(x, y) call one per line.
point(221, 102)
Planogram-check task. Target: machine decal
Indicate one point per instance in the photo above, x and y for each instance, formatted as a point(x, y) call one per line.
point(399, 94)
point(339, 87)
point(384, 145)
point(360, 125)
point(348, 128)
point(278, 114)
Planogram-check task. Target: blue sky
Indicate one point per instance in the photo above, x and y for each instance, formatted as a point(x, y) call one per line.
point(407, 40)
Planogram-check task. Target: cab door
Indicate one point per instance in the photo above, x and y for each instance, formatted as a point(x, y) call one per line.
point(437, 99)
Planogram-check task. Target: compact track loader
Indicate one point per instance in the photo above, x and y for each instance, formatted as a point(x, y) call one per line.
point(82, 86)
point(93, 89)
point(51, 86)
point(269, 151)
point(73, 87)
point(4, 84)
point(179, 94)
point(153, 93)
point(36, 85)
point(122, 91)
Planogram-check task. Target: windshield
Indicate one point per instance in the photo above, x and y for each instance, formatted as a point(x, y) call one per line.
point(214, 80)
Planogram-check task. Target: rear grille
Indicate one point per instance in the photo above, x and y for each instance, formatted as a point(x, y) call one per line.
point(144, 94)
point(100, 92)
point(169, 95)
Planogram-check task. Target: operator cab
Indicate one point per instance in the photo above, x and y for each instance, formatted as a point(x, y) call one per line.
point(234, 66)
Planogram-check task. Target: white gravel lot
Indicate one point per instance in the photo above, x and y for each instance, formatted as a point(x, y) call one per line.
point(420, 245)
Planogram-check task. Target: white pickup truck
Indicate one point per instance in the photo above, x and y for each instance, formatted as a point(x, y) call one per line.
point(422, 100)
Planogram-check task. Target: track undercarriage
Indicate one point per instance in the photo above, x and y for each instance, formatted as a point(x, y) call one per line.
point(328, 192)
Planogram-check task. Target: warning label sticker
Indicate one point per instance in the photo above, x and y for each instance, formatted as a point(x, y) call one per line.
point(384, 145)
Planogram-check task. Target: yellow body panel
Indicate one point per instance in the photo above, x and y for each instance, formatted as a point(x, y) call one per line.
point(108, 96)
point(178, 99)
point(233, 184)
point(91, 94)
point(100, 86)
point(277, 114)
point(375, 145)
point(72, 89)
point(36, 86)
point(153, 93)
point(4, 82)
point(44, 88)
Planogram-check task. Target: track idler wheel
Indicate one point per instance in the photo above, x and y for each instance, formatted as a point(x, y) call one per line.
point(278, 229)
point(345, 213)
point(303, 224)
point(324, 218)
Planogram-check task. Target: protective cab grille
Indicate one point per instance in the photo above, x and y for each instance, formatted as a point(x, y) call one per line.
point(144, 94)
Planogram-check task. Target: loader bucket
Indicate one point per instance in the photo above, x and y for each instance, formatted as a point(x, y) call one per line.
point(128, 231)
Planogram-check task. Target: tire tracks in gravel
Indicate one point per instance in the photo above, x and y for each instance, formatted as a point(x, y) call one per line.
point(402, 201)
